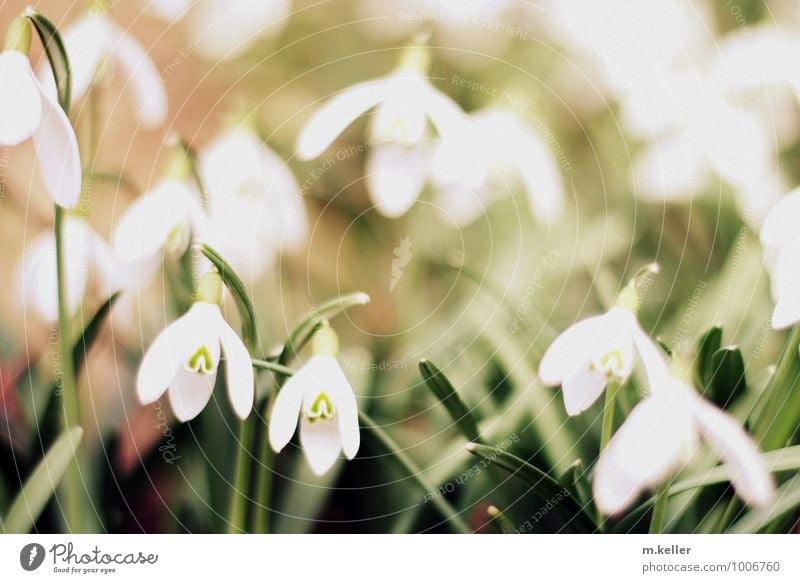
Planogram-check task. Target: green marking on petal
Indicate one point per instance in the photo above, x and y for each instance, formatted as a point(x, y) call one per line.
point(177, 239)
point(611, 365)
point(201, 361)
point(320, 409)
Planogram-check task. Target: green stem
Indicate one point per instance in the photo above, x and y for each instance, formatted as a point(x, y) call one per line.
point(727, 514)
point(237, 515)
point(264, 478)
point(779, 382)
point(273, 366)
point(660, 509)
point(608, 415)
point(408, 466)
point(73, 484)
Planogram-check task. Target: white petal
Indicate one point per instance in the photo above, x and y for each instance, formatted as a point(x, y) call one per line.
point(142, 79)
point(189, 393)
point(344, 402)
point(399, 119)
point(321, 444)
point(171, 348)
point(743, 461)
point(652, 358)
point(20, 102)
point(57, 153)
point(581, 389)
point(670, 169)
point(396, 175)
point(780, 227)
point(570, 351)
point(332, 118)
point(461, 204)
point(228, 28)
point(238, 370)
point(169, 10)
point(286, 410)
point(146, 224)
point(652, 442)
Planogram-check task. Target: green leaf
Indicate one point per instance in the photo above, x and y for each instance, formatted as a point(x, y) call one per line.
point(728, 382)
point(41, 484)
point(56, 55)
point(444, 391)
point(709, 343)
point(90, 332)
point(500, 521)
point(324, 311)
point(787, 499)
point(575, 479)
point(407, 465)
point(237, 288)
point(544, 485)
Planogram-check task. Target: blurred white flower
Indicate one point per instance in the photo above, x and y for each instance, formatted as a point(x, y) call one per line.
point(94, 42)
point(164, 218)
point(255, 209)
point(320, 395)
point(27, 110)
point(401, 157)
point(660, 435)
point(596, 351)
point(183, 360)
point(466, 29)
point(224, 29)
point(781, 241)
point(86, 256)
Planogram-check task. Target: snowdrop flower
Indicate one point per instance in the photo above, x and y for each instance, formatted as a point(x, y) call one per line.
point(86, 254)
point(229, 27)
point(184, 358)
point(515, 154)
point(94, 42)
point(321, 397)
point(781, 243)
point(599, 350)
point(164, 218)
point(405, 103)
point(659, 436)
point(254, 200)
point(27, 110)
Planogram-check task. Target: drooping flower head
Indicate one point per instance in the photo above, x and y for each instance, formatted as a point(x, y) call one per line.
point(599, 350)
point(28, 110)
point(321, 398)
point(183, 360)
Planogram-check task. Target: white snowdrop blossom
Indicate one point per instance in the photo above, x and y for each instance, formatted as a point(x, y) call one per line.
point(95, 44)
point(86, 255)
point(401, 153)
point(255, 209)
point(28, 110)
point(597, 351)
point(227, 28)
point(660, 435)
point(781, 241)
point(184, 358)
point(320, 396)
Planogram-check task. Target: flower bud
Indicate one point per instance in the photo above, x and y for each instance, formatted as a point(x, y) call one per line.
point(210, 288)
point(325, 342)
point(18, 35)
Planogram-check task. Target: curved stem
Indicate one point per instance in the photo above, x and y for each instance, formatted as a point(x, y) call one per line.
point(73, 485)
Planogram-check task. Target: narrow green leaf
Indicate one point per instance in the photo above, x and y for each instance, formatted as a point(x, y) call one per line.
point(500, 521)
point(273, 366)
point(787, 499)
point(444, 391)
point(407, 465)
point(324, 311)
point(237, 288)
point(56, 55)
point(41, 484)
point(728, 382)
point(709, 343)
point(545, 486)
point(90, 332)
point(576, 481)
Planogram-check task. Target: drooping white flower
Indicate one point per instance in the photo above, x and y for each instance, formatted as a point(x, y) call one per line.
point(781, 242)
point(401, 155)
point(599, 350)
point(27, 110)
point(320, 396)
point(255, 209)
point(94, 42)
point(229, 27)
point(660, 435)
point(169, 10)
point(184, 358)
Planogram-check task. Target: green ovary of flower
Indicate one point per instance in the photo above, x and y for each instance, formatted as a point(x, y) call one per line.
point(611, 365)
point(177, 239)
point(321, 409)
point(201, 361)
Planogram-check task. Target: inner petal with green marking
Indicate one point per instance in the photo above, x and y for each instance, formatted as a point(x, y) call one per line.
point(321, 408)
point(611, 365)
point(201, 361)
